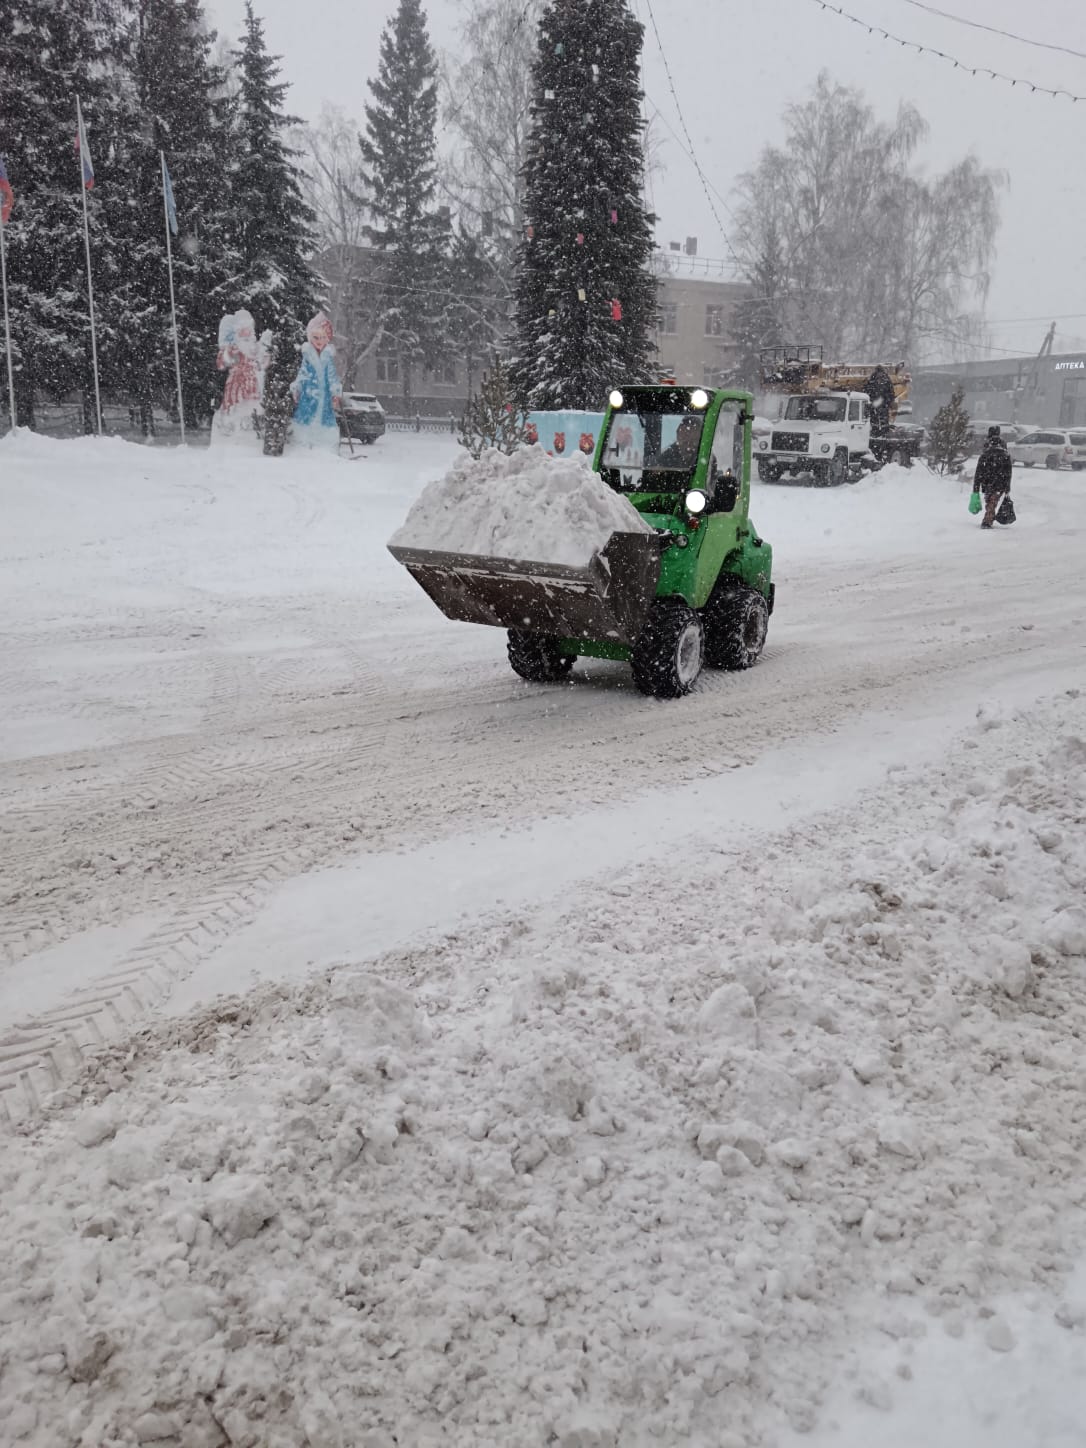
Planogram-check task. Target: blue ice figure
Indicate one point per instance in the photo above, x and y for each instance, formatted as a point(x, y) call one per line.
point(317, 389)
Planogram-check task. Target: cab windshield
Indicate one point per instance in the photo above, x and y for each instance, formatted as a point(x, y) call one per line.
point(651, 452)
point(815, 409)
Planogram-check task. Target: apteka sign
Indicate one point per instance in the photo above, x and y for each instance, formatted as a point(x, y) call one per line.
point(1070, 367)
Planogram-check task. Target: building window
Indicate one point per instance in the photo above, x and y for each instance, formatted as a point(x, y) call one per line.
point(388, 369)
point(714, 321)
point(669, 319)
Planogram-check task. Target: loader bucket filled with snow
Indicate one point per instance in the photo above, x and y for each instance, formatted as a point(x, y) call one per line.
point(532, 543)
point(607, 598)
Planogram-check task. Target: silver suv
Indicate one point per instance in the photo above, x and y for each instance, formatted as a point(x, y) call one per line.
point(1052, 447)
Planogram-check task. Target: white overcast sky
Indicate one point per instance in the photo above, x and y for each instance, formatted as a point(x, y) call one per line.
point(735, 63)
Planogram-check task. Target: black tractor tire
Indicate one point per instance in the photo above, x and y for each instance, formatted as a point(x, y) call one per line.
point(537, 658)
point(769, 472)
point(736, 621)
point(667, 657)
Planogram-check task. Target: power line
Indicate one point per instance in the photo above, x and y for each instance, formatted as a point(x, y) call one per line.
point(981, 70)
point(994, 30)
point(686, 133)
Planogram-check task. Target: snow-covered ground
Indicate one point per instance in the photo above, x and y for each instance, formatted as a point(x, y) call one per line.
point(602, 1071)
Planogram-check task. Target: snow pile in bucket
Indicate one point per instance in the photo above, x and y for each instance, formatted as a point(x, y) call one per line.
point(664, 1164)
point(528, 505)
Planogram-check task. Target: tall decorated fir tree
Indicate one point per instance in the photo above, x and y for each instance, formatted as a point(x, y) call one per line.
point(399, 156)
point(273, 226)
point(53, 51)
point(586, 296)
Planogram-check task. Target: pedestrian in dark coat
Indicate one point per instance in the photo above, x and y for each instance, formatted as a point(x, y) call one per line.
point(993, 475)
point(880, 389)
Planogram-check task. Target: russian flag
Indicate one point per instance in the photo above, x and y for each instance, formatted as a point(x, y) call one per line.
point(84, 154)
point(7, 195)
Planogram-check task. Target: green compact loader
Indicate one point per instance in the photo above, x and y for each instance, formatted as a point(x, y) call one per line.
point(695, 590)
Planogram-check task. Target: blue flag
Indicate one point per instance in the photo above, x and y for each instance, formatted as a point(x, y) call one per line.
point(167, 191)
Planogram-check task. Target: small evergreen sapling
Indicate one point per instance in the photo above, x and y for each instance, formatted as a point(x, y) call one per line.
point(492, 418)
point(278, 401)
point(949, 435)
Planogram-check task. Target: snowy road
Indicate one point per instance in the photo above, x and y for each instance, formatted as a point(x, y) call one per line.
point(216, 679)
point(711, 1062)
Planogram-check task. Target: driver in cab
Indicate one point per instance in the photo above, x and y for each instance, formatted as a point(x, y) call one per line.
point(683, 452)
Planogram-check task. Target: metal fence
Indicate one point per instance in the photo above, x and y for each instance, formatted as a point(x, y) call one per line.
point(66, 419)
point(421, 424)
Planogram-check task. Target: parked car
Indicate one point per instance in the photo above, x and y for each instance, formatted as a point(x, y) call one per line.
point(978, 433)
point(361, 416)
point(1053, 447)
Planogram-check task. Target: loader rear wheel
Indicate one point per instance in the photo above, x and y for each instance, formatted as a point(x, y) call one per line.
point(537, 658)
point(668, 655)
point(736, 622)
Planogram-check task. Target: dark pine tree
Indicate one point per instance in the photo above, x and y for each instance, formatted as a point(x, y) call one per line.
point(179, 107)
point(756, 322)
point(948, 436)
point(586, 297)
point(50, 52)
point(398, 153)
point(274, 228)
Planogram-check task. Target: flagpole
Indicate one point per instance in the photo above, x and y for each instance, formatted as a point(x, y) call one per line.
point(7, 322)
point(90, 283)
point(173, 303)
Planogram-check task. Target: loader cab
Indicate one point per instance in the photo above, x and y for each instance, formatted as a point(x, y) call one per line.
point(661, 443)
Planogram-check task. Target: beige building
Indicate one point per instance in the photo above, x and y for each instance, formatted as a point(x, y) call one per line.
point(697, 300)
point(697, 297)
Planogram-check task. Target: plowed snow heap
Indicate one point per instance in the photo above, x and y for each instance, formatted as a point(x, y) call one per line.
point(529, 505)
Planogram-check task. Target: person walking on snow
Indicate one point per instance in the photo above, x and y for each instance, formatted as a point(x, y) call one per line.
point(993, 475)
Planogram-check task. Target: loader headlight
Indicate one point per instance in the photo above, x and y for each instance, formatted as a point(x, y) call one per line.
point(695, 501)
point(616, 399)
point(699, 398)
point(825, 447)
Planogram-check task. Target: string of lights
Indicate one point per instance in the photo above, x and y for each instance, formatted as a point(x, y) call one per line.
point(979, 70)
point(689, 142)
point(994, 30)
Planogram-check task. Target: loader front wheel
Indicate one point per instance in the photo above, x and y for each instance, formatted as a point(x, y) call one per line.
point(736, 622)
point(537, 658)
point(668, 655)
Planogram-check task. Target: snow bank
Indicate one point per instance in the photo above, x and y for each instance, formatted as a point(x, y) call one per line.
point(528, 506)
point(614, 1179)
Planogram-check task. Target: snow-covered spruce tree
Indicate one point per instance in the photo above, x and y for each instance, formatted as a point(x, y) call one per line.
point(52, 51)
point(278, 402)
point(398, 153)
point(586, 297)
point(492, 418)
point(179, 106)
point(949, 434)
point(273, 227)
point(756, 321)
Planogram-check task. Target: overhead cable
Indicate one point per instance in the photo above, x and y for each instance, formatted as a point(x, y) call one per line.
point(978, 70)
point(994, 30)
